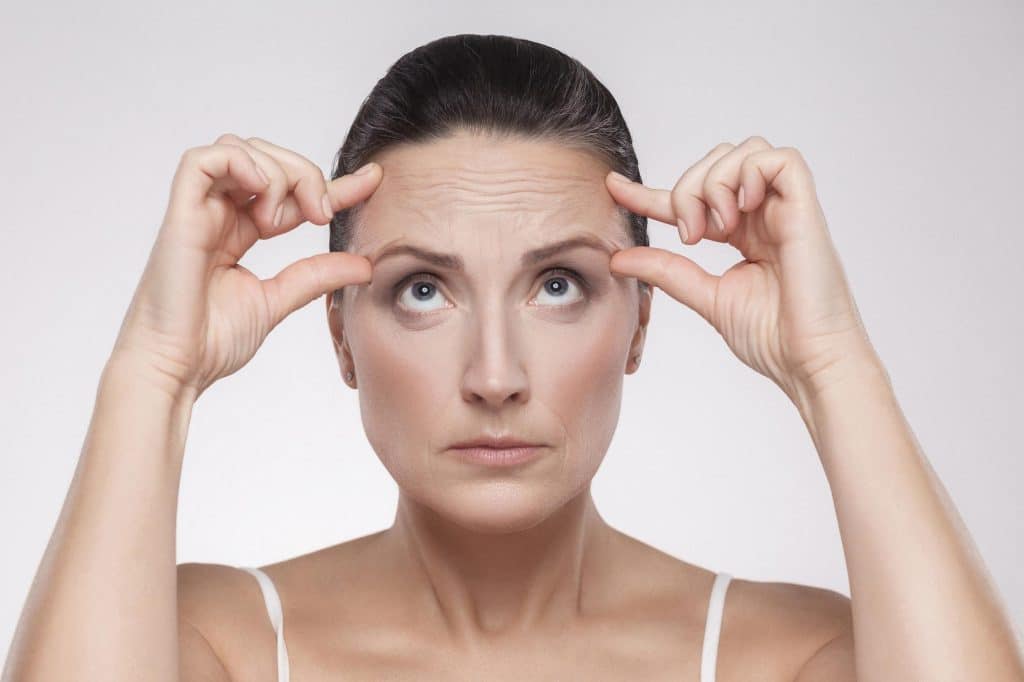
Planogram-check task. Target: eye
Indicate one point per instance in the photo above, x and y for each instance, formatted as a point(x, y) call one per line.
point(420, 293)
point(559, 286)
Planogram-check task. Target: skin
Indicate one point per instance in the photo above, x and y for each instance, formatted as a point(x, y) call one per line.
point(482, 570)
point(487, 574)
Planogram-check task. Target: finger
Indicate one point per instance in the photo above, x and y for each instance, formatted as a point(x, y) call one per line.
point(682, 206)
point(721, 185)
point(208, 169)
point(689, 201)
point(641, 199)
point(782, 169)
point(675, 274)
point(264, 208)
point(312, 277)
point(342, 192)
point(309, 187)
point(349, 189)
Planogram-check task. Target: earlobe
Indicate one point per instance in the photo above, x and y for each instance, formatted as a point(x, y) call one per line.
point(341, 349)
point(636, 346)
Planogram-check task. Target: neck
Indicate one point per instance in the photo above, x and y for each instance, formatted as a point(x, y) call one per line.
point(494, 584)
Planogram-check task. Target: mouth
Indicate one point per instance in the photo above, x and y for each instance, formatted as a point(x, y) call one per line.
point(497, 450)
point(499, 457)
point(495, 441)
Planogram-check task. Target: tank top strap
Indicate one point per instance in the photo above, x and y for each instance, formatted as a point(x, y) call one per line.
point(274, 610)
point(713, 627)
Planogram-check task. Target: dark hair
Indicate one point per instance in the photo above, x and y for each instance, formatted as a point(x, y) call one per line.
point(493, 84)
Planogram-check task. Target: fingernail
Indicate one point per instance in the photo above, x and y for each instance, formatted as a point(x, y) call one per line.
point(739, 198)
point(279, 215)
point(683, 230)
point(263, 175)
point(718, 220)
point(365, 168)
point(326, 203)
point(619, 177)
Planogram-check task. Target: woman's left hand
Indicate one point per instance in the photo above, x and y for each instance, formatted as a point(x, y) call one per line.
point(786, 310)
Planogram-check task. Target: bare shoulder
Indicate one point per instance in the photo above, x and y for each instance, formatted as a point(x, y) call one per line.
point(223, 617)
point(770, 630)
point(224, 630)
point(782, 630)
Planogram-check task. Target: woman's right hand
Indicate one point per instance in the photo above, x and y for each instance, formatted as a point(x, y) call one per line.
point(197, 315)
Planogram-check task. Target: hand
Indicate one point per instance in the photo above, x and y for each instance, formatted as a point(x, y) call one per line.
point(197, 315)
point(786, 310)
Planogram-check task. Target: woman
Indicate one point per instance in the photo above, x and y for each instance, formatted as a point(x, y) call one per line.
point(490, 284)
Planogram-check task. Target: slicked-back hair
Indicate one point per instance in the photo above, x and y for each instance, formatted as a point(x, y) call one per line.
point(493, 84)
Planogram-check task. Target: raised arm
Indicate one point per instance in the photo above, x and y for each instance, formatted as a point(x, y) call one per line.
point(104, 604)
point(923, 606)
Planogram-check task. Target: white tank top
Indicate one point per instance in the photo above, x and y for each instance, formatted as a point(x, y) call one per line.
point(708, 656)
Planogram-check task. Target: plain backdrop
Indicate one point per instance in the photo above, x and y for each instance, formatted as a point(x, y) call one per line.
point(909, 115)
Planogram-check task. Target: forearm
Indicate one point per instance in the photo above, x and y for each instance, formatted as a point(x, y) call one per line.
point(924, 606)
point(103, 602)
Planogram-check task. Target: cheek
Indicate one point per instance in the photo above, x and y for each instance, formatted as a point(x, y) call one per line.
point(409, 383)
point(403, 378)
point(578, 373)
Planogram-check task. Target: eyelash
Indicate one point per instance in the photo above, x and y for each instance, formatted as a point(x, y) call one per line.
point(434, 279)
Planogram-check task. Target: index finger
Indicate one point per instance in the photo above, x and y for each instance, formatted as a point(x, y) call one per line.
point(351, 188)
point(641, 199)
point(306, 181)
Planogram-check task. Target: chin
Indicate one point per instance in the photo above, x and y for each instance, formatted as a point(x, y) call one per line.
point(495, 507)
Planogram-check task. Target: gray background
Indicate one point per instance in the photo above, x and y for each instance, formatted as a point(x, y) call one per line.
point(908, 114)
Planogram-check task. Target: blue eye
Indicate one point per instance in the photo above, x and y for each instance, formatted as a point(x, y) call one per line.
point(558, 285)
point(421, 291)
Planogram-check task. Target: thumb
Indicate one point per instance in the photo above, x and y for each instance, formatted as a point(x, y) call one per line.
point(311, 278)
point(675, 274)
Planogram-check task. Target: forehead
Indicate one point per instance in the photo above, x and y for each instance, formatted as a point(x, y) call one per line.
point(470, 186)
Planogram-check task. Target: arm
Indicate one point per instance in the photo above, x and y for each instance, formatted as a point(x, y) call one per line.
point(103, 605)
point(924, 606)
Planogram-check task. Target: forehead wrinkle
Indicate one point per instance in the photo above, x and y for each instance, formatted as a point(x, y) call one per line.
point(461, 184)
point(473, 186)
point(546, 202)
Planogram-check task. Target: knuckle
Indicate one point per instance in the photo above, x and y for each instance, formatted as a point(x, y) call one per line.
point(715, 184)
point(757, 141)
point(793, 154)
point(746, 165)
point(678, 197)
point(227, 137)
point(191, 155)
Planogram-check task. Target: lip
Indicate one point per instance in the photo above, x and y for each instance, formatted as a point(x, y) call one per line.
point(499, 457)
point(492, 441)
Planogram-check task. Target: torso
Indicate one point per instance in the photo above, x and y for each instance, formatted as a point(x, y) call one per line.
point(345, 618)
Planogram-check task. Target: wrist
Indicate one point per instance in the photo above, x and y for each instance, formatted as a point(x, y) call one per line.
point(856, 375)
point(848, 366)
point(127, 372)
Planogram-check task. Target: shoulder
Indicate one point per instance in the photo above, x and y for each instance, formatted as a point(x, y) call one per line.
point(806, 632)
point(221, 613)
point(771, 630)
point(210, 593)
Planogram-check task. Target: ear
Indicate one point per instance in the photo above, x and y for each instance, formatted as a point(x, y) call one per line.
point(636, 346)
point(340, 343)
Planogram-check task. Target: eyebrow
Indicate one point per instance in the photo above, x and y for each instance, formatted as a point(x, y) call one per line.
point(452, 262)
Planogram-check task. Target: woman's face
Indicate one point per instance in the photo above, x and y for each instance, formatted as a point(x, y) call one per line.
point(489, 341)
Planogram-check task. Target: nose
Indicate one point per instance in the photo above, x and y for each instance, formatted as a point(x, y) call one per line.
point(495, 374)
